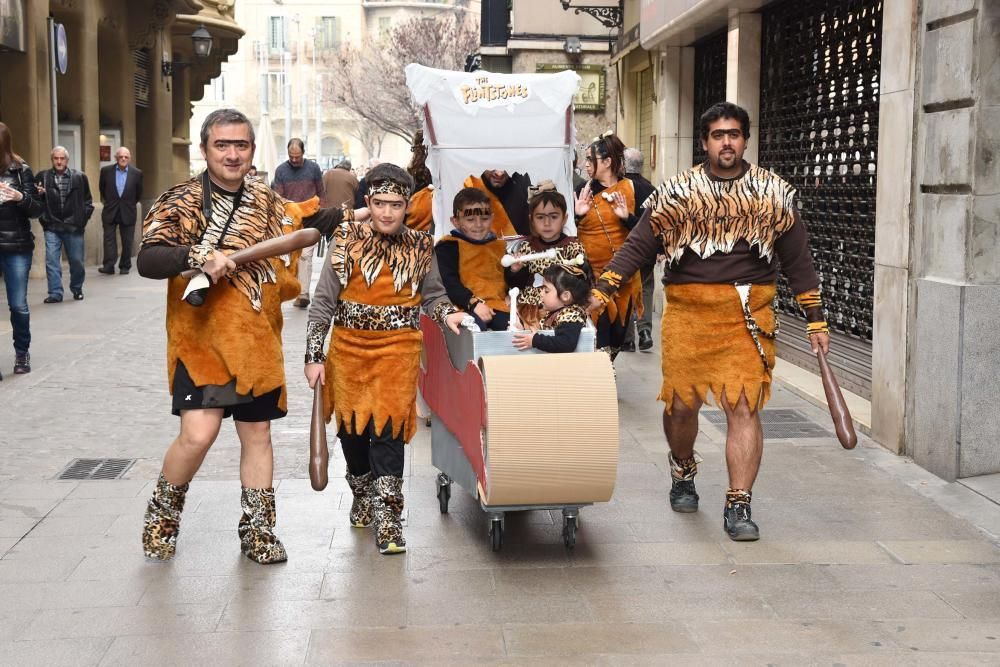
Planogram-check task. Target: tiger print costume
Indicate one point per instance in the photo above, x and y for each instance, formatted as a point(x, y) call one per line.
point(236, 334)
point(176, 219)
point(687, 211)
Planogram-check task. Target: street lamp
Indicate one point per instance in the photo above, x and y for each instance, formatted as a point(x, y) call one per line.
point(610, 16)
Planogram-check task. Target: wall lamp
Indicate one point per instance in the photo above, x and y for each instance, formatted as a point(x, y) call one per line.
point(572, 46)
point(201, 42)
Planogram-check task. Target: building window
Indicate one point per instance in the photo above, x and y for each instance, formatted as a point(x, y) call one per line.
point(384, 26)
point(328, 33)
point(276, 88)
point(277, 34)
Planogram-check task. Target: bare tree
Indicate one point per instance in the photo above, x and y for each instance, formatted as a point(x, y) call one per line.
point(369, 79)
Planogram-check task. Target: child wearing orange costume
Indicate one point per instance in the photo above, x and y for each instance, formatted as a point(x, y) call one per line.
point(379, 275)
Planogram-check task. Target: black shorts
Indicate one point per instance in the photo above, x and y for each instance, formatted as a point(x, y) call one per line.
point(241, 407)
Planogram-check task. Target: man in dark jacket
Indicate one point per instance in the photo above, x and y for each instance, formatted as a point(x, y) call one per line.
point(120, 186)
point(68, 207)
point(643, 188)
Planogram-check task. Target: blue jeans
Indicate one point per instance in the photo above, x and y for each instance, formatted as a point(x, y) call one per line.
point(54, 243)
point(15, 269)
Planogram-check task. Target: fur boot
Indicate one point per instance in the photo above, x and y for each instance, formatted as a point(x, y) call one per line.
point(256, 527)
point(163, 520)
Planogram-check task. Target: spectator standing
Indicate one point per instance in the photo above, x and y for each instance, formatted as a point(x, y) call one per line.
point(644, 322)
point(18, 203)
point(120, 186)
point(68, 206)
point(340, 185)
point(298, 179)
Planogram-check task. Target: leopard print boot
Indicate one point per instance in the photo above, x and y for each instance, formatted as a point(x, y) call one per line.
point(163, 520)
point(361, 509)
point(256, 528)
point(388, 502)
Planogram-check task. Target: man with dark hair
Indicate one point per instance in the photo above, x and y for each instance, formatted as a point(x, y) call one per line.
point(120, 186)
point(720, 226)
point(224, 358)
point(644, 323)
point(299, 180)
point(68, 207)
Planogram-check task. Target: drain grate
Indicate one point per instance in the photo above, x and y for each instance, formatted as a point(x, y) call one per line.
point(96, 469)
point(782, 423)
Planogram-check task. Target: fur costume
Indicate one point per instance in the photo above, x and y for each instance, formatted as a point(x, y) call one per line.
point(236, 334)
point(602, 233)
point(374, 352)
point(480, 271)
point(420, 216)
point(707, 347)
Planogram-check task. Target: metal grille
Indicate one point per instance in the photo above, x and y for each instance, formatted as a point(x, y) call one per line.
point(779, 423)
point(96, 468)
point(645, 125)
point(819, 130)
point(141, 77)
point(709, 81)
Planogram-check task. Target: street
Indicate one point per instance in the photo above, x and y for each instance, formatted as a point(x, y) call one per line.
point(862, 559)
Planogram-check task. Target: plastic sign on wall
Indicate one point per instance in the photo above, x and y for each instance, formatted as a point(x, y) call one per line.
point(482, 93)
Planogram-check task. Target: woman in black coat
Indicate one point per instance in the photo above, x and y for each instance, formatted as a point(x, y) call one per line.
point(19, 202)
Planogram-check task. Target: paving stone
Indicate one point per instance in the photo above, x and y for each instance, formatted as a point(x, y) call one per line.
point(112, 621)
point(467, 643)
point(583, 639)
point(85, 652)
point(944, 551)
point(220, 648)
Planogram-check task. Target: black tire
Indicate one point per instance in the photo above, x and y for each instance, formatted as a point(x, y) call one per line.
point(569, 532)
point(444, 495)
point(496, 534)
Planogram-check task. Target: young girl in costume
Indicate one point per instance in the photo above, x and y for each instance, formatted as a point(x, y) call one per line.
point(379, 275)
point(564, 295)
point(547, 214)
point(605, 210)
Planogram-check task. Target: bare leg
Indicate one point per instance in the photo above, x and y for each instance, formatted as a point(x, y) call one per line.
point(681, 427)
point(199, 429)
point(744, 443)
point(256, 454)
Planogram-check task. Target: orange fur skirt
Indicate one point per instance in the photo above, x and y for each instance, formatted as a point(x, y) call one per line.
point(372, 375)
point(707, 347)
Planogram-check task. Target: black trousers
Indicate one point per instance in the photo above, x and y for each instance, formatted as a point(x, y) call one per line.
point(127, 233)
point(382, 454)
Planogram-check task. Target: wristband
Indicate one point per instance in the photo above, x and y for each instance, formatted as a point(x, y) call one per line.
point(813, 328)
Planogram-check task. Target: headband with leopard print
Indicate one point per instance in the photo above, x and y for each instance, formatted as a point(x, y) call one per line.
point(389, 187)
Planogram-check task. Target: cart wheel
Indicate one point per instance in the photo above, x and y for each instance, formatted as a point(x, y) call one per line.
point(496, 534)
point(444, 495)
point(569, 531)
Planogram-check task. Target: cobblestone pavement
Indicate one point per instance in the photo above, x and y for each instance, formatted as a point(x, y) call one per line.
point(865, 559)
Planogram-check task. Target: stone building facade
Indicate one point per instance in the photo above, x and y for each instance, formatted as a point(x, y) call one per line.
point(131, 78)
point(895, 103)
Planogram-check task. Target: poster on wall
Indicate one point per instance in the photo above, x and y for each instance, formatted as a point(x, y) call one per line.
point(590, 96)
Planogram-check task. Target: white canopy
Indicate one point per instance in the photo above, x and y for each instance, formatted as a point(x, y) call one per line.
point(475, 121)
